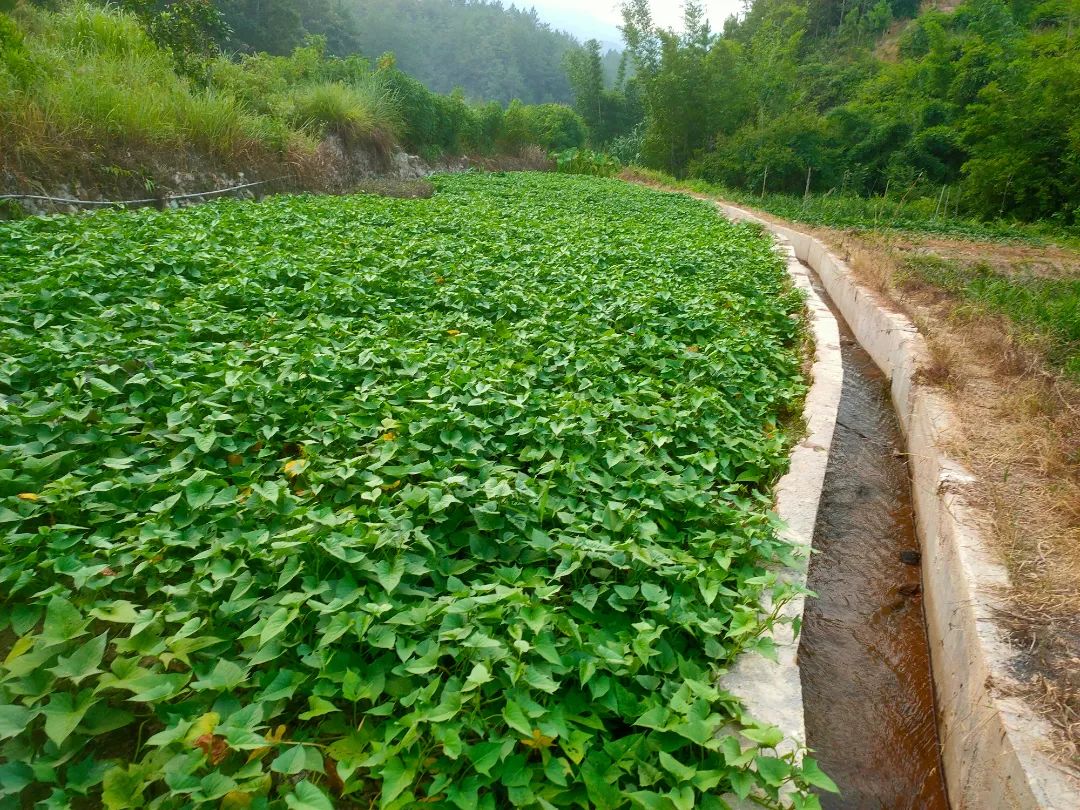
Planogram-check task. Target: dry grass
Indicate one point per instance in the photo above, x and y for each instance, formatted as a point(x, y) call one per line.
point(400, 189)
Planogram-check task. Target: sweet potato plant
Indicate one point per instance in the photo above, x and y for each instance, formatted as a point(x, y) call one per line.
point(458, 502)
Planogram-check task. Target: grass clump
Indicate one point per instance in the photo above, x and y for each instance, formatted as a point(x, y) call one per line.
point(1045, 310)
point(357, 112)
point(90, 79)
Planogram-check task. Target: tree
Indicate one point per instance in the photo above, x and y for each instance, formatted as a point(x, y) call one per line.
point(189, 29)
point(585, 70)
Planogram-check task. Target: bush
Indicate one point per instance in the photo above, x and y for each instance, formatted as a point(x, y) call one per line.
point(435, 125)
point(628, 148)
point(555, 127)
point(783, 149)
point(585, 161)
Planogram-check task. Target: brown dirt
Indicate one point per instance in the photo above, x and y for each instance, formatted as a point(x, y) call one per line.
point(334, 167)
point(888, 47)
point(1008, 259)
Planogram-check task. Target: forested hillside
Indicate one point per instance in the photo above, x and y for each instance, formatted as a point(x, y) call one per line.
point(979, 106)
point(489, 50)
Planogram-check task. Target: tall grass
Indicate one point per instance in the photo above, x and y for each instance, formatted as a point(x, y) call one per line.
point(1047, 310)
point(84, 89)
point(87, 80)
point(98, 82)
point(362, 110)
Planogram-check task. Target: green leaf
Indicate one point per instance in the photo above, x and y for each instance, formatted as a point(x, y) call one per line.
point(684, 773)
point(656, 717)
point(205, 441)
point(214, 786)
point(811, 774)
point(14, 776)
point(396, 778)
point(119, 612)
point(805, 802)
point(389, 573)
point(515, 718)
point(290, 761)
point(697, 730)
point(478, 677)
point(650, 800)
point(83, 662)
point(742, 782)
point(123, 788)
point(63, 622)
point(64, 712)
point(276, 624)
point(774, 771)
point(769, 736)
point(603, 794)
point(199, 493)
point(14, 720)
point(225, 676)
point(317, 707)
point(485, 755)
point(306, 796)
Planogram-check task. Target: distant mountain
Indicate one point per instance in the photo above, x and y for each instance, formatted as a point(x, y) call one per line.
point(491, 50)
point(568, 16)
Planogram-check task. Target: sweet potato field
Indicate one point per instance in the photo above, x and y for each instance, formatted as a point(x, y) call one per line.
point(458, 502)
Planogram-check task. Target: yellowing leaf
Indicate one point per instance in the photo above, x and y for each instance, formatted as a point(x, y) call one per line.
point(453, 332)
point(18, 648)
point(29, 496)
point(236, 800)
point(202, 726)
point(294, 467)
point(274, 738)
point(538, 740)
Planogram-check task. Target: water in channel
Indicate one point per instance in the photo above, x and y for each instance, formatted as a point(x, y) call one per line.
point(864, 658)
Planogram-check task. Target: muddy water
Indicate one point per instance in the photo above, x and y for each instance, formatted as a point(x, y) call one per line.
point(864, 660)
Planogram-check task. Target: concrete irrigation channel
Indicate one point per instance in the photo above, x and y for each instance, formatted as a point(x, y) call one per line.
point(900, 681)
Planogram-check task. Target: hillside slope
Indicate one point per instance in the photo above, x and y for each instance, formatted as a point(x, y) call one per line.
point(90, 99)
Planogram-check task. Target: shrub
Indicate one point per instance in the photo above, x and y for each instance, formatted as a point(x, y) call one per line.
point(555, 127)
point(627, 149)
point(585, 161)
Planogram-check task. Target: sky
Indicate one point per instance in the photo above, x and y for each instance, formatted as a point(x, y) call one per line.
point(599, 18)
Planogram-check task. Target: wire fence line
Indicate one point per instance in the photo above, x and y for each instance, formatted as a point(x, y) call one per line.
point(147, 201)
